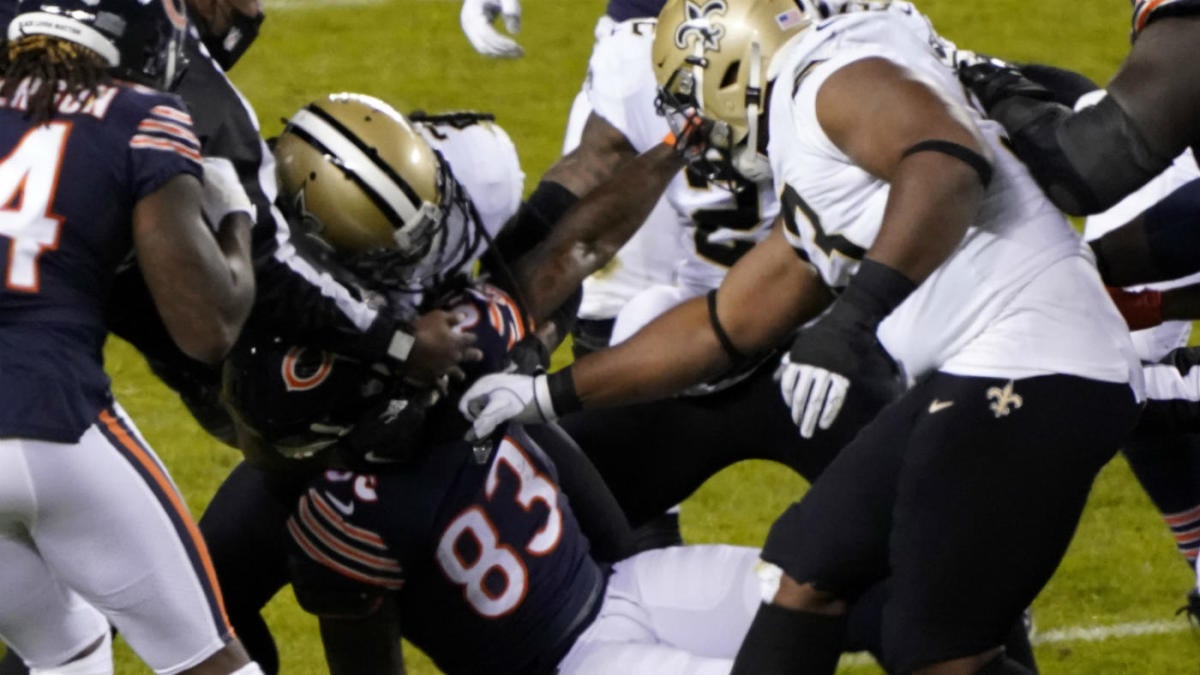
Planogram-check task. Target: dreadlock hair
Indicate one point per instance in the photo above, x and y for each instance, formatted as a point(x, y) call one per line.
point(54, 66)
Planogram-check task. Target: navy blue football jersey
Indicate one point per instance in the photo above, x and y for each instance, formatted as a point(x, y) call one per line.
point(1145, 11)
point(68, 188)
point(624, 10)
point(490, 570)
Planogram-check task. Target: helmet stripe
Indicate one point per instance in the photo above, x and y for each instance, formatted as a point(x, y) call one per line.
point(361, 167)
point(368, 151)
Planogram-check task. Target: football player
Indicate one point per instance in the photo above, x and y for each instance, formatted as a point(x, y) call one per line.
point(957, 276)
point(656, 454)
point(97, 160)
point(1164, 452)
point(409, 220)
point(1088, 160)
point(300, 292)
point(472, 551)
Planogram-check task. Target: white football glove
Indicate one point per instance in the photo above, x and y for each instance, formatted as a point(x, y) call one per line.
point(506, 397)
point(223, 192)
point(477, 17)
point(815, 395)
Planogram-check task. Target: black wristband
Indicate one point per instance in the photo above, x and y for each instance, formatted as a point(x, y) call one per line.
point(874, 292)
point(534, 219)
point(562, 392)
point(550, 201)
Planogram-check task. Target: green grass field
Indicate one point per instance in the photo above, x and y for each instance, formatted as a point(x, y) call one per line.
point(1122, 567)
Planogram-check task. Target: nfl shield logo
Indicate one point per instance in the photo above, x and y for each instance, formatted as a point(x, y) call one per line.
point(789, 19)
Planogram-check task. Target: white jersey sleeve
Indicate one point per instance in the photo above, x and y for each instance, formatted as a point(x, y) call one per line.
point(621, 85)
point(484, 160)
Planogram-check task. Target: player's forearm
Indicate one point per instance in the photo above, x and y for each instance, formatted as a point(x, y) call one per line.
point(592, 232)
point(673, 352)
point(233, 238)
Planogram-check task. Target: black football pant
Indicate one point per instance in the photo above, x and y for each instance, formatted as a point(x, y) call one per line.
point(963, 496)
point(245, 528)
point(654, 455)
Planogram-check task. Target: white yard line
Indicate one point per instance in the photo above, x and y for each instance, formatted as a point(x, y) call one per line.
point(1113, 632)
point(1116, 631)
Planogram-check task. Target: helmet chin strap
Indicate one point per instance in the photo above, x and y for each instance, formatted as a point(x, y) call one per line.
point(747, 160)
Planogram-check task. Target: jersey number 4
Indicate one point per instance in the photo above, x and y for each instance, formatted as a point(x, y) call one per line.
point(28, 180)
point(496, 561)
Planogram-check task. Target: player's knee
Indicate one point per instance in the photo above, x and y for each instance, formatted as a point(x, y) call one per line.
point(229, 660)
point(96, 660)
point(806, 597)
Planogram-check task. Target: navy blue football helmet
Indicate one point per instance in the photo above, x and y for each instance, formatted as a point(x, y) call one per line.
point(141, 40)
point(496, 321)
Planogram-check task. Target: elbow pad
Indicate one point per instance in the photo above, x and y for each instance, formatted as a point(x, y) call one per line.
point(1085, 161)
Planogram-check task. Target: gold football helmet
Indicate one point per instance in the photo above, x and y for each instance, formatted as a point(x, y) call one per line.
point(361, 177)
point(712, 59)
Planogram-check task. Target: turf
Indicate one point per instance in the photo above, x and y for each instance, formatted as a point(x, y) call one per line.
point(1122, 566)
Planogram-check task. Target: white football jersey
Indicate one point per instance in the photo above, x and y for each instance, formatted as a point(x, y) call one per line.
point(713, 225)
point(484, 160)
point(649, 257)
point(1019, 297)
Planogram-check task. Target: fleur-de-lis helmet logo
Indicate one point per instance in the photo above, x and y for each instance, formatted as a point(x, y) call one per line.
point(699, 26)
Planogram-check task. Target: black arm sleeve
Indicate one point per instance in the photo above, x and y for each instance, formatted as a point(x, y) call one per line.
point(600, 517)
point(1085, 161)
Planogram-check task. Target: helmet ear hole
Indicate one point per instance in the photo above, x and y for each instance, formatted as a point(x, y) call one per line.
point(731, 74)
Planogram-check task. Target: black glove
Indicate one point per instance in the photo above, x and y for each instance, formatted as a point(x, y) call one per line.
point(839, 353)
point(993, 80)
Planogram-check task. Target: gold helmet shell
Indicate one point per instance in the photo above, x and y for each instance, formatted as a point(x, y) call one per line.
point(714, 55)
point(361, 176)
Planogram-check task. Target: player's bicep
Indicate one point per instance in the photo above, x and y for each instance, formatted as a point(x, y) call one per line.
point(770, 291)
point(874, 110)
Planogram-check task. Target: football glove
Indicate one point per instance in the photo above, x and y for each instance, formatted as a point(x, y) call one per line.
point(506, 397)
point(477, 19)
point(815, 395)
point(993, 80)
point(223, 193)
point(830, 357)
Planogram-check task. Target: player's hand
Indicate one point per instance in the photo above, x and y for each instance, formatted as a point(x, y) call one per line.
point(815, 395)
point(223, 193)
point(1141, 309)
point(830, 358)
point(438, 348)
point(993, 80)
point(506, 397)
point(477, 19)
